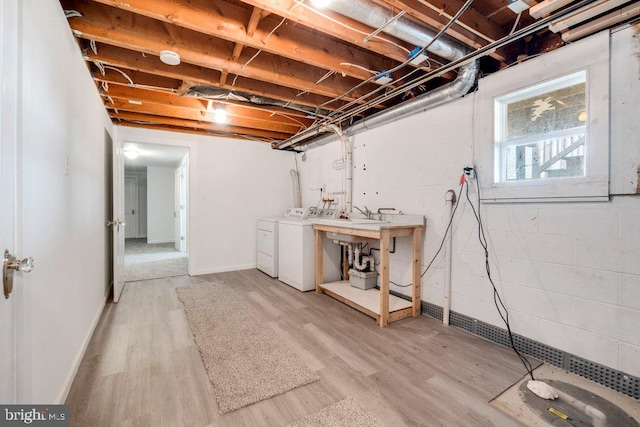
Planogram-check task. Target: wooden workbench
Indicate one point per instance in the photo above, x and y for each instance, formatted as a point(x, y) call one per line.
point(364, 301)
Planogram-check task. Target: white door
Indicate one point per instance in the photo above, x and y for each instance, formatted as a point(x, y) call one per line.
point(183, 205)
point(8, 134)
point(117, 224)
point(131, 207)
point(176, 209)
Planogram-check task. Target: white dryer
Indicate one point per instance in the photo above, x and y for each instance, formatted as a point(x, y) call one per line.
point(267, 240)
point(297, 258)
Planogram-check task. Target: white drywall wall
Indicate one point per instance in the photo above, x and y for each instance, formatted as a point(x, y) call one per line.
point(232, 183)
point(160, 205)
point(568, 272)
point(62, 218)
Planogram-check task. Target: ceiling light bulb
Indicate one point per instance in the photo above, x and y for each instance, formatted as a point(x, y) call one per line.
point(219, 115)
point(131, 154)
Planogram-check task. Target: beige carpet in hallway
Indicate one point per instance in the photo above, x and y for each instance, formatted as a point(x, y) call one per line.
point(145, 261)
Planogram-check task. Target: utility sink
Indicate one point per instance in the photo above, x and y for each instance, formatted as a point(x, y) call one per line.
point(347, 238)
point(350, 222)
point(346, 222)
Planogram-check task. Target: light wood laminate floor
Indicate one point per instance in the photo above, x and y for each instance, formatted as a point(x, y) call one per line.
point(143, 368)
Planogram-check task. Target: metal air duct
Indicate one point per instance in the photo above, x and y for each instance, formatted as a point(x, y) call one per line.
point(376, 16)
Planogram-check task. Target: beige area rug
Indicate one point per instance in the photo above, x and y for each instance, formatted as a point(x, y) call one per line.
point(245, 359)
point(346, 413)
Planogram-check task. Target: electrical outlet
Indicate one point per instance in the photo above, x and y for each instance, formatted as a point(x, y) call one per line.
point(470, 172)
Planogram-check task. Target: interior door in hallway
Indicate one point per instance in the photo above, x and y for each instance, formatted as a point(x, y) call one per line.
point(117, 222)
point(131, 207)
point(176, 209)
point(183, 204)
point(8, 135)
point(10, 307)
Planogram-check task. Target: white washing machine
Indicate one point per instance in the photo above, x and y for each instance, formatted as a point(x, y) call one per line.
point(297, 255)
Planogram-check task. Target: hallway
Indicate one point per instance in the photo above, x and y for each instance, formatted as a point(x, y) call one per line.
point(145, 261)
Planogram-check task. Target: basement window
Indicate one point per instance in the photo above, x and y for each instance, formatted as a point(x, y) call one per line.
point(541, 131)
point(541, 128)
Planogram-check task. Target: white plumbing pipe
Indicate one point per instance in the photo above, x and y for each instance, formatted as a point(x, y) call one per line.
point(350, 248)
point(450, 198)
point(347, 174)
point(366, 259)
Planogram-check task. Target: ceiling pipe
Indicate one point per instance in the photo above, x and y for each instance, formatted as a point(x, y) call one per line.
point(376, 16)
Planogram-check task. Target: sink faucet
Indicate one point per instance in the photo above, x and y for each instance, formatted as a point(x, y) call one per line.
point(366, 212)
point(380, 210)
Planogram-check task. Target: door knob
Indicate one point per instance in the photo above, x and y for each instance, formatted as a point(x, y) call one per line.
point(115, 223)
point(11, 264)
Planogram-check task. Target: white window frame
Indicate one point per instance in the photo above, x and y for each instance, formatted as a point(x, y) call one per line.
point(590, 55)
point(500, 104)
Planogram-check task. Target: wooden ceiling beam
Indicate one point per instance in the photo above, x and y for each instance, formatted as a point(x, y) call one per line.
point(124, 58)
point(140, 79)
point(243, 27)
point(193, 131)
point(114, 78)
point(430, 12)
point(128, 30)
point(213, 127)
point(350, 31)
point(233, 110)
point(191, 114)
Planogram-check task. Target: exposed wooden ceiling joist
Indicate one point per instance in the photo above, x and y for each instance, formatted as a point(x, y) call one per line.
point(114, 78)
point(190, 114)
point(180, 129)
point(130, 31)
point(201, 125)
point(237, 24)
point(270, 63)
point(125, 58)
point(251, 117)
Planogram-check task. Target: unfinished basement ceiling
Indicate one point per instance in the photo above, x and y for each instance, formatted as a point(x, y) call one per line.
point(279, 67)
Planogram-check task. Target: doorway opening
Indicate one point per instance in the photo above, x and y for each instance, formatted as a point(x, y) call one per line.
point(156, 188)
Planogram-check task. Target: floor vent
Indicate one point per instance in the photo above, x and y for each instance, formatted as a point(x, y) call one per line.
point(601, 374)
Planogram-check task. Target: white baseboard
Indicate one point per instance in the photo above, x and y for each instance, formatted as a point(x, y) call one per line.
point(152, 242)
point(223, 269)
point(62, 397)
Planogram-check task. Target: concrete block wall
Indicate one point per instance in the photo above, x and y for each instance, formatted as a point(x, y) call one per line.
point(569, 273)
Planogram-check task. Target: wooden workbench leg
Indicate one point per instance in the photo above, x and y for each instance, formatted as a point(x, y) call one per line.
point(319, 259)
point(417, 267)
point(383, 320)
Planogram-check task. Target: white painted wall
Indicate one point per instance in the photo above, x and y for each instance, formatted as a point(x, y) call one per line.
point(232, 184)
point(569, 273)
point(62, 221)
point(142, 200)
point(160, 204)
